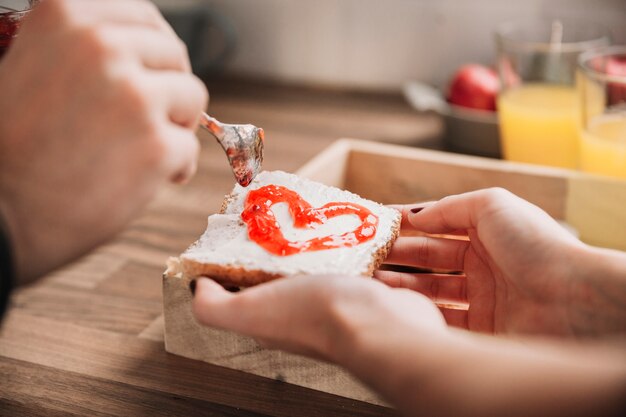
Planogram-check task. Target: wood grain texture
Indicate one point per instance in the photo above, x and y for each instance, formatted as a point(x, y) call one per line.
point(86, 340)
point(76, 394)
point(392, 174)
point(591, 205)
point(185, 337)
point(597, 206)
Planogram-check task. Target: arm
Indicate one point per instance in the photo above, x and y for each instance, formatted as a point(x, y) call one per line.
point(522, 272)
point(396, 341)
point(539, 280)
point(99, 109)
point(533, 278)
point(597, 300)
point(522, 275)
point(462, 374)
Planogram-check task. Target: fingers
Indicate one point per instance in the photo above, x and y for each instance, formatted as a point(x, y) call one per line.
point(408, 210)
point(308, 315)
point(242, 312)
point(316, 315)
point(455, 318)
point(181, 153)
point(155, 49)
point(449, 292)
point(429, 252)
point(437, 287)
point(92, 12)
point(463, 211)
point(405, 210)
point(495, 208)
point(135, 25)
point(255, 312)
point(183, 99)
point(448, 215)
point(213, 305)
point(183, 96)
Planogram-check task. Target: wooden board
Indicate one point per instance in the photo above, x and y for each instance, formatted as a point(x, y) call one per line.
point(593, 205)
point(87, 340)
point(396, 174)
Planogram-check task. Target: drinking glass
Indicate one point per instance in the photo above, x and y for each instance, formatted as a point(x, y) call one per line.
point(602, 95)
point(538, 104)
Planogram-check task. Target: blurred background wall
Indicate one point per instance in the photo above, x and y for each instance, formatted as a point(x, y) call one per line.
point(379, 44)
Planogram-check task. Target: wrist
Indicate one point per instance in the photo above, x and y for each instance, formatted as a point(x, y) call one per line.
point(394, 357)
point(596, 295)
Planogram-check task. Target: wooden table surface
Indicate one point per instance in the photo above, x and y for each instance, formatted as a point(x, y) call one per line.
point(87, 340)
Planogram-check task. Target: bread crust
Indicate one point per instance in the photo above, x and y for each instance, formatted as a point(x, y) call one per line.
point(382, 253)
point(228, 198)
point(228, 276)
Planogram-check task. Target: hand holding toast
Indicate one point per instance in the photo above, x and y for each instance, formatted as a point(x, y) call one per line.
point(316, 315)
point(99, 107)
point(522, 272)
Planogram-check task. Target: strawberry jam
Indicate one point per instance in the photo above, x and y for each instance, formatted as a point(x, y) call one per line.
point(263, 227)
point(10, 20)
point(8, 27)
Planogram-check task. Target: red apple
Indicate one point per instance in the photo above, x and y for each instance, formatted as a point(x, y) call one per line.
point(474, 86)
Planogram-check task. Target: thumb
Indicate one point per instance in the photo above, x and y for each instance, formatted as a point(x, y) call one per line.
point(212, 304)
point(447, 216)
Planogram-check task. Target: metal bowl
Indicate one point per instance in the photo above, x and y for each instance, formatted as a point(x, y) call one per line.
point(468, 131)
point(473, 132)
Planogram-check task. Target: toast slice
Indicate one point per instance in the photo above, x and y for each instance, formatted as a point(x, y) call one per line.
point(226, 253)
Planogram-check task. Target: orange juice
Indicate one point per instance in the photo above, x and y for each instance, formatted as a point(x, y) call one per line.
point(603, 146)
point(539, 124)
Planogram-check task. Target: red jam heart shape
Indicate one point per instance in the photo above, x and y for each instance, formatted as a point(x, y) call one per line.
point(263, 228)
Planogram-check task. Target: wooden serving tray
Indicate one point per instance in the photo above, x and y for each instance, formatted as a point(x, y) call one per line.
point(594, 206)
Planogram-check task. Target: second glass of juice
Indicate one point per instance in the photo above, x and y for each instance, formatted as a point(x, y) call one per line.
point(538, 104)
point(602, 94)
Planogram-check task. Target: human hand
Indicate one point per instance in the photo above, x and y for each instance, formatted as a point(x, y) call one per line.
point(518, 266)
point(98, 107)
point(327, 317)
point(397, 343)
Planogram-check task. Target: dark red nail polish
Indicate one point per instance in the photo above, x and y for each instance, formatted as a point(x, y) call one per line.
point(192, 287)
point(416, 210)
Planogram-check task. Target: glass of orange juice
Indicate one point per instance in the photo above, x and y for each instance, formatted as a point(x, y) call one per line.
point(538, 104)
point(602, 95)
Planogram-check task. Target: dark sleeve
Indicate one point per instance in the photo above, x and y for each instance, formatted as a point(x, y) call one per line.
point(6, 268)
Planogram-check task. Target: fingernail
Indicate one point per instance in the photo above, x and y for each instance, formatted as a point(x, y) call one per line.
point(416, 210)
point(192, 287)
